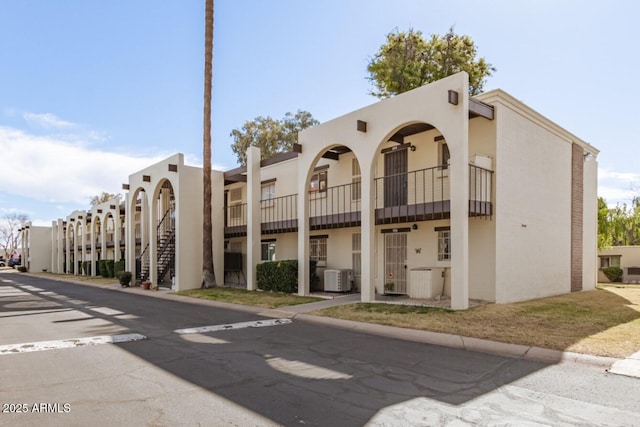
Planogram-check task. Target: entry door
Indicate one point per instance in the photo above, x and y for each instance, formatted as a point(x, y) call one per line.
point(395, 181)
point(395, 255)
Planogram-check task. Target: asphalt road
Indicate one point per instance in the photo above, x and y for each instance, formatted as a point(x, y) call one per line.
point(295, 374)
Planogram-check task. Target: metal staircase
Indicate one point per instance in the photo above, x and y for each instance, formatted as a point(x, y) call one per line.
point(165, 252)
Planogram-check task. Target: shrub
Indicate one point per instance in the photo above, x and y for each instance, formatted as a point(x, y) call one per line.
point(614, 274)
point(278, 276)
point(282, 276)
point(86, 268)
point(124, 277)
point(71, 271)
point(22, 269)
point(108, 264)
point(102, 268)
point(118, 266)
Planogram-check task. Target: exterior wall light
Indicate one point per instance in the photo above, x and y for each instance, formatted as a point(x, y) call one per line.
point(453, 97)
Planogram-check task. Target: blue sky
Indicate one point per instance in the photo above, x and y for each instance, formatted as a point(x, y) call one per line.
point(92, 91)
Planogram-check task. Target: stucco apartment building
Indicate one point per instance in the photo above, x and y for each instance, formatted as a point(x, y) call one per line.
point(429, 193)
point(627, 258)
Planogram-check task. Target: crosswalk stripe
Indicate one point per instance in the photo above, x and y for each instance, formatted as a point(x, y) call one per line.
point(229, 326)
point(68, 343)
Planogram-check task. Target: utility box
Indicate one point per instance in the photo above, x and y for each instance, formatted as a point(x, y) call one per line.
point(338, 280)
point(426, 282)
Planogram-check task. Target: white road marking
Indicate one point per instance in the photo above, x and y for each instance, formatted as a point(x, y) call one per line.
point(69, 343)
point(105, 310)
point(241, 325)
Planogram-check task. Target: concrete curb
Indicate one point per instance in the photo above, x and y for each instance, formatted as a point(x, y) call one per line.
point(516, 351)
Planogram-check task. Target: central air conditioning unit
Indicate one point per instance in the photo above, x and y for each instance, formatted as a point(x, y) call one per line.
point(338, 280)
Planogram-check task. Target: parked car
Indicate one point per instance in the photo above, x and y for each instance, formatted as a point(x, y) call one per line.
point(2, 263)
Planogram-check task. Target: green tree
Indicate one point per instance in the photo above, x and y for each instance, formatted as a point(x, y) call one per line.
point(407, 61)
point(270, 135)
point(619, 225)
point(208, 278)
point(604, 229)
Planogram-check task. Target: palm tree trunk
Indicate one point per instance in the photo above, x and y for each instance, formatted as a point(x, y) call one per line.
point(208, 278)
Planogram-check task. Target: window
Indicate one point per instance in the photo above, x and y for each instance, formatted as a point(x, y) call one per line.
point(268, 191)
point(268, 252)
point(318, 182)
point(444, 245)
point(356, 255)
point(318, 250)
point(355, 180)
point(236, 211)
point(443, 155)
point(610, 261)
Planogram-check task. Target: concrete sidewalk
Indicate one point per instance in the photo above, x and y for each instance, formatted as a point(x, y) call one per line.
point(629, 366)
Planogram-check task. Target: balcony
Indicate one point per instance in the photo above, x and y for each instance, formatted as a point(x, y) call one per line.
point(420, 195)
point(424, 195)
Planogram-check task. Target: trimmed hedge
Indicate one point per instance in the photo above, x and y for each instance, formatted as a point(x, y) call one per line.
point(118, 266)
point(86, 268)
point(614, 274)
point(105, 268)
point(282, 276)
point(108, 263)
point(102, 268)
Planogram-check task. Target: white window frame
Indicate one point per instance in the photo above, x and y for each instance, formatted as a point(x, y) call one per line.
point(268, 248)
point(356, 179)
point(318, 250)
point(268, 190)
point(319, 181)
point(610, 261)
point(267, 194)
point(444, 245)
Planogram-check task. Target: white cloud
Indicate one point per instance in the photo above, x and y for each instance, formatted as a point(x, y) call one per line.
point(49, 169)
point(629, 177)
point(618, 187)
point(47, 121)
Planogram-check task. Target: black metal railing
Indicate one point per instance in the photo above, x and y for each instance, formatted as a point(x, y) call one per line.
point(279, 214)
point(480, 188)
point(143, 264)
point(425, 194)
point(418, 195)
point(338, 206)
point(235, 223)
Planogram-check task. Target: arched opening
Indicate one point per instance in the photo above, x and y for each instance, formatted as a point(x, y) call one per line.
point(70, 249)
point(333, 198)
point(139, 239)
point(79, 247)
point(165, 234)
point(96, 245)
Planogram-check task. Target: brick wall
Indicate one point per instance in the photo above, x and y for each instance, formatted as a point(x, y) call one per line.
point(577, 200)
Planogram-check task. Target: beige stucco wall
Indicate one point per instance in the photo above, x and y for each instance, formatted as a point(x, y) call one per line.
point(533, 202)
point(285, 174)
point(187, 188)
point(38, 248)
point(427, 104)
point(590, 225)
point(482, 230)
